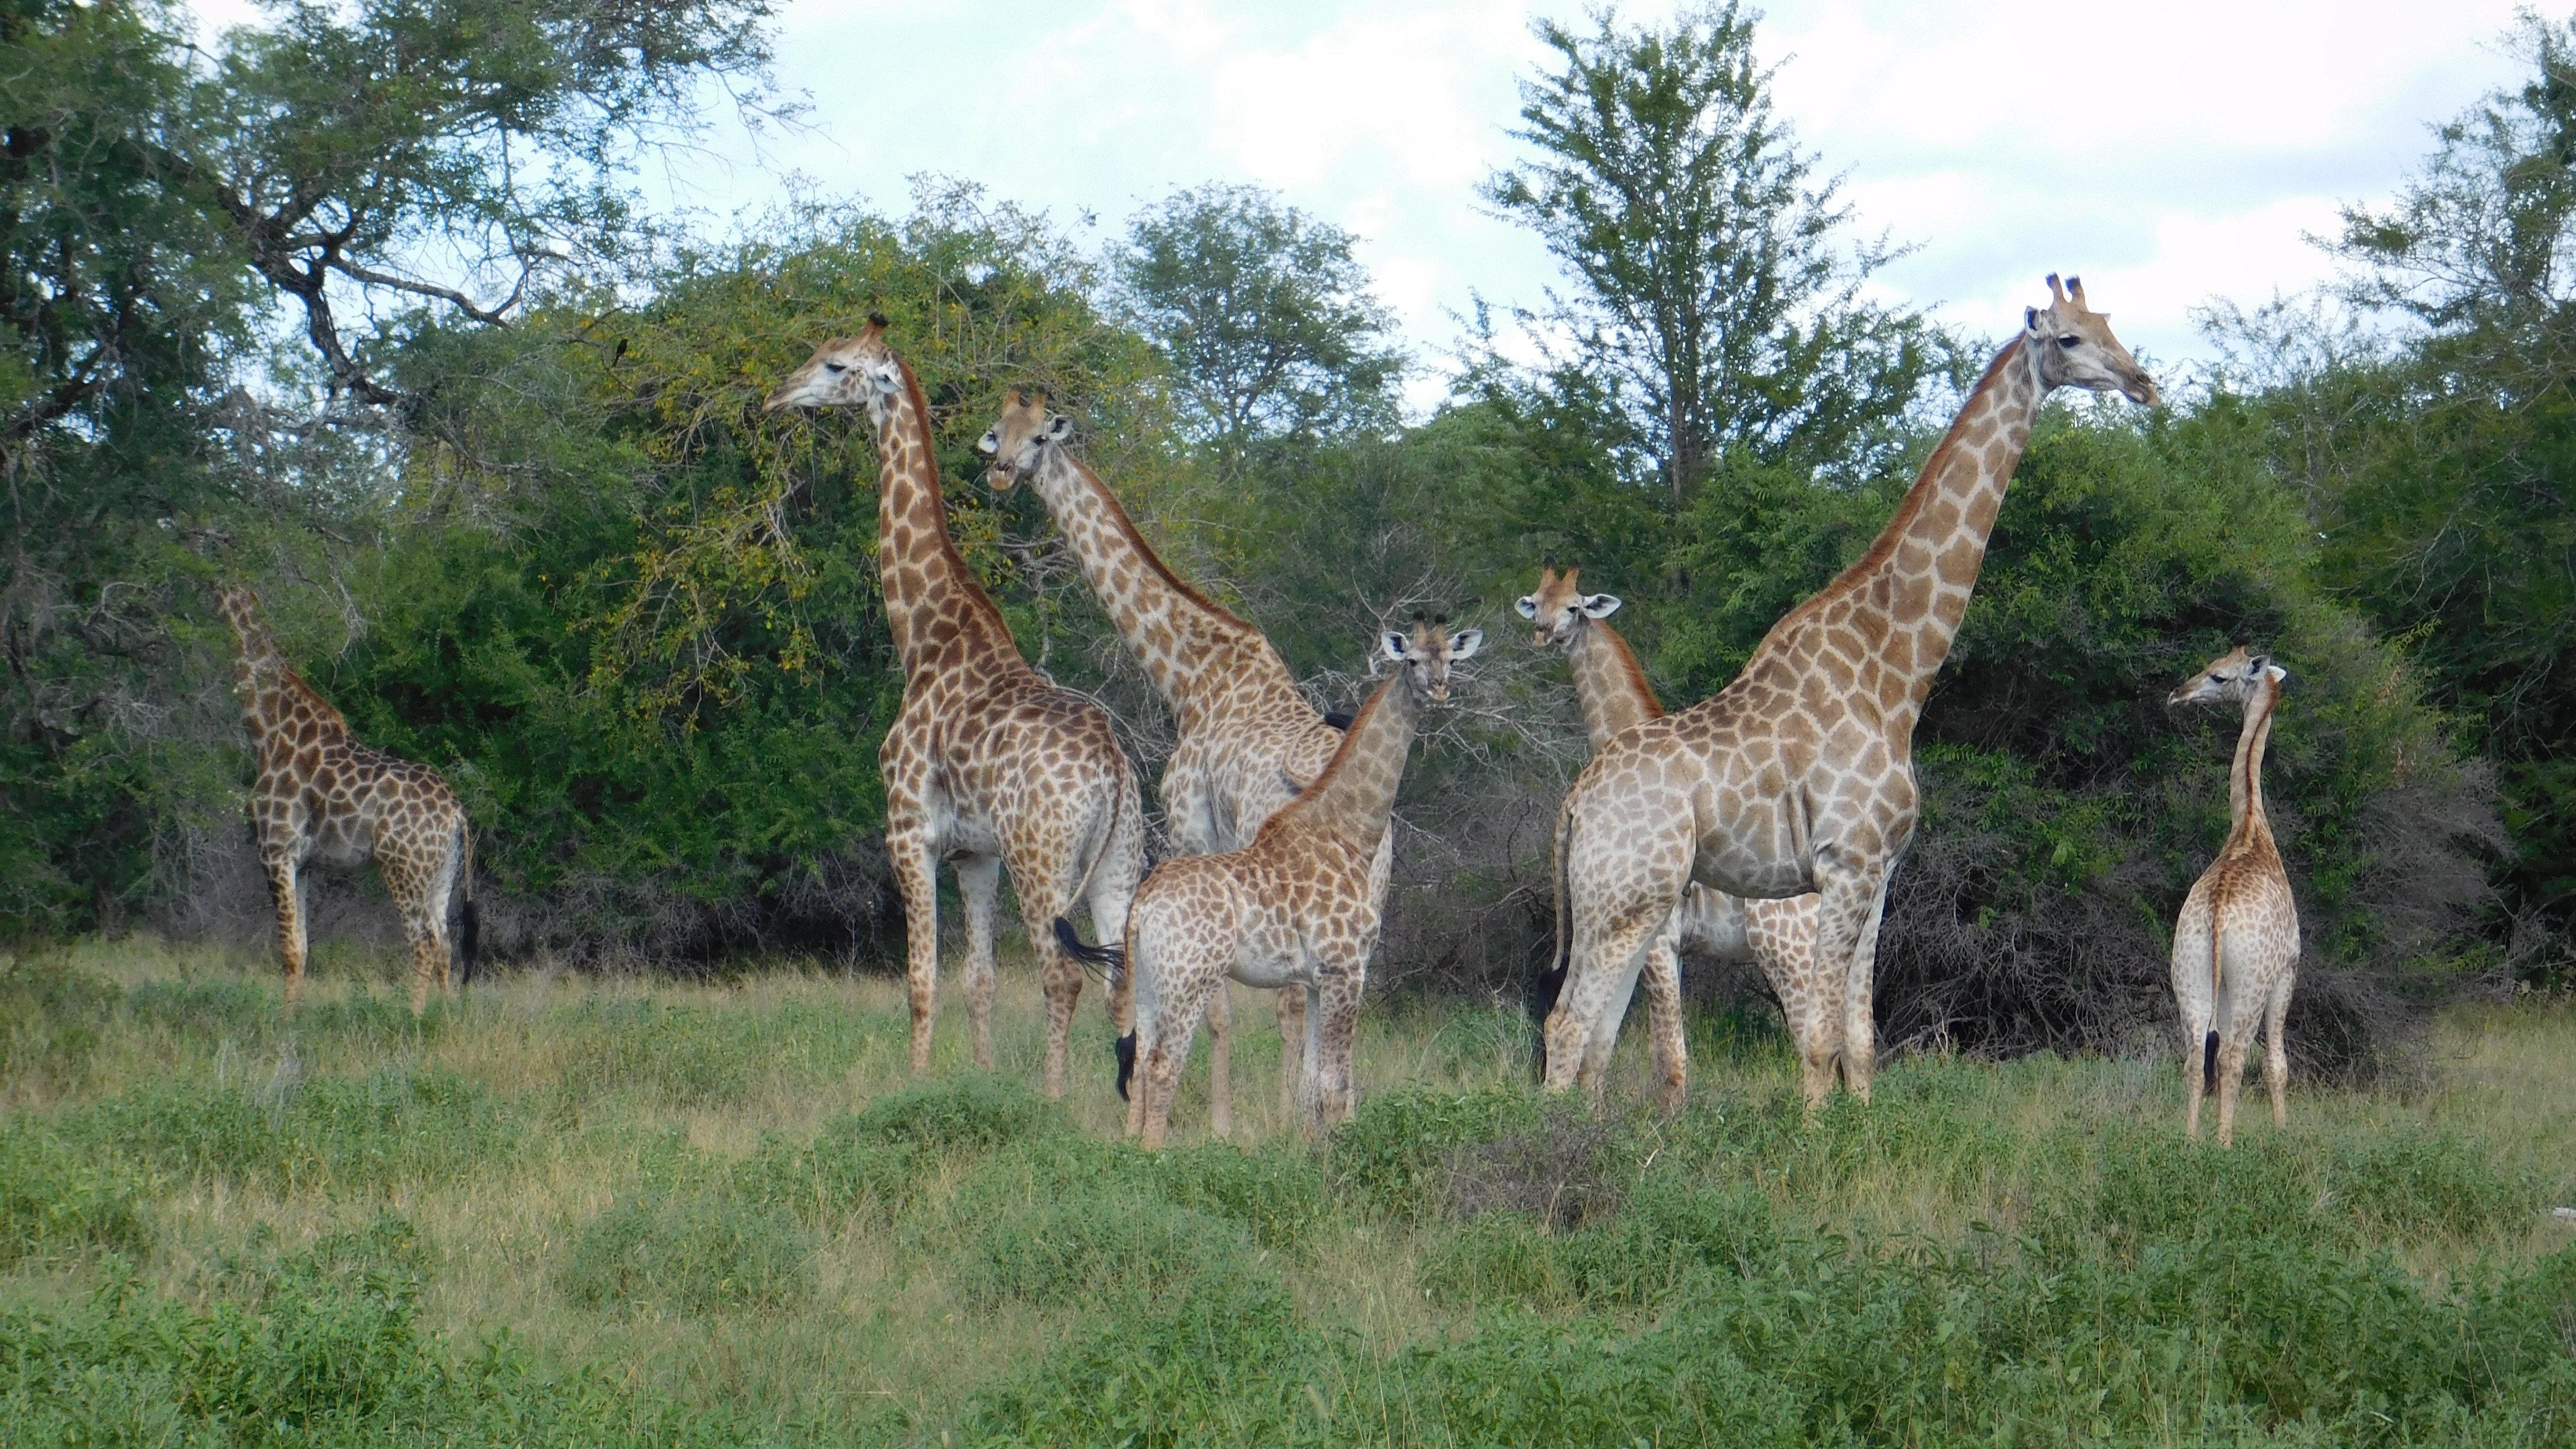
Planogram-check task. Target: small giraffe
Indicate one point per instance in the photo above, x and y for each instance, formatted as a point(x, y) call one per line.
point(987, 764)
point(2238, 937)
point(1248, 741)
point(321, 796)
point(1292, 909)
point(1778, 936)
point(1799, 776)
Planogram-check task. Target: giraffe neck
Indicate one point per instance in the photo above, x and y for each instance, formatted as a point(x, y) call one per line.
point(1919, 573)
point(1355, 794)
point(940, 616)
point(1608, 682)
point(1188, 645)
point(2247, 820)
point(276, 702)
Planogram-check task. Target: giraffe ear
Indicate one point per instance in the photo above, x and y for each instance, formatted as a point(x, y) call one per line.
point(2030, 319)
point(1059, 428)
point(1396, 643)
point(1601, 606)
point(990, 443)
point(1465, 643)
point(1528, 606)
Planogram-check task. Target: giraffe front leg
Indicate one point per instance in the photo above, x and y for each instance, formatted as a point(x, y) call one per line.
point(1859, 999)
point(426, 932)
point(1292, 1048)
point(286, 888)
point(1664, 1022)
point(1605, 963)
point(909, 856)
point(979, 890)
point(1220, 1020)
point(1337, 1009)
point(1850, 890)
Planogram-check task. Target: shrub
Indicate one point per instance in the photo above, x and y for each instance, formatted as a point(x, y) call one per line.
point(2402, 1183)
point(55, 1199)
point(880, 1153)
point(1276, 1192)
point(700, 1253)
point(1099, 1247)
point(51, 1015)
point(1669, 1230)
point(1496, 1259)
point(1394, 1156)
point(965, 1113)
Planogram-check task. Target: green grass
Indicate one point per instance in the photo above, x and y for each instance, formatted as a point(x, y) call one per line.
point(577, 1210)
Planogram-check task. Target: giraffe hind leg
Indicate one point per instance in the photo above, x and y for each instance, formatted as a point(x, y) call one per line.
point(979, 888)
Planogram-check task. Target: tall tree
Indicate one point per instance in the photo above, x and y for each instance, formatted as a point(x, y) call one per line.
point(1264, 316)
point(1713, 308)
point(2442, 465)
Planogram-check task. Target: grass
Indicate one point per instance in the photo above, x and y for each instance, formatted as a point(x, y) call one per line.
point(584, 1210)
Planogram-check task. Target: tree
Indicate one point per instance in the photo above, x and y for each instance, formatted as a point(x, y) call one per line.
point(2441, 464)
point(1264, 317)
point(1713, 310)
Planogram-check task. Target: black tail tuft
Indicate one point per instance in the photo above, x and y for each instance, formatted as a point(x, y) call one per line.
point(1126, 1053)
point(1542, 1004)
point(469, 940)
point(2209, 1063)
point(1106, 960)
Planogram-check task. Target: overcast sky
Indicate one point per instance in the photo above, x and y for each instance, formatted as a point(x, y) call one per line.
point(2170, 153)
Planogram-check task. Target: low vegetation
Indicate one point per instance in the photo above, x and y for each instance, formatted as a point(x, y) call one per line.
point(577, 1211)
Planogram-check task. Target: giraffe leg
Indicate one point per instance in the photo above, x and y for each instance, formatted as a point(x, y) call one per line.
point(1176, 1019)
point(1605, 963)
point(287, 889)
point(909, 856)
point(2276, 1060)
point(1860, 1028)
point(1337, 1009)
point(1664, 1020)
point(426, 932)
point(2195, 1076)
point(1220, 1020)
point(2231, 1081)
point(1292, 1048)
point(1604, 1041)
point(979, 890)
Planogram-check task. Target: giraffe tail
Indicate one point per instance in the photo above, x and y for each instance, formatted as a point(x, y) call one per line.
point(469, 925)
point(1551, 983)
point(2218, 1012)
point(1111, 963)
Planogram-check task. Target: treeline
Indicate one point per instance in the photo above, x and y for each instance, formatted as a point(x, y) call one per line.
point(506, 489)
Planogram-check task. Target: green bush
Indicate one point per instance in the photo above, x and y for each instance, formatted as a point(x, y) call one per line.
point(1491, 1260)
point(1098, 1248)
point(1277, 1192)
point(880, 1153)
point(973, 1112)
point(1393, 1157)
point(328, 1133)
point(700, 1253)
point(51, 1018)
point(2407, 1184)
point(56, 1199)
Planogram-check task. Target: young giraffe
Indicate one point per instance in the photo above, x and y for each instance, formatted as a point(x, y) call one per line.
point(1248, 740)
point(987, 765)
point(1778, 936)
point(1293, 909)
point(1799, 776)
point(320, 795)
point(2238, 937)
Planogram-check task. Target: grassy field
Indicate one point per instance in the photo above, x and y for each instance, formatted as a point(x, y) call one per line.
point(579, 1210)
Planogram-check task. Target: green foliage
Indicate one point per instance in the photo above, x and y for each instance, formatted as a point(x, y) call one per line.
point(54, 1015)
point(1394, 1156)
point(696, 1253)
point(1097, 1248)
point(1714, 313)
point(880, 1156)
point(332, 1134)
point(54, 1198)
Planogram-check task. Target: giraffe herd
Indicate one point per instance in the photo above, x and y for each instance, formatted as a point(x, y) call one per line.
point(1761, 823)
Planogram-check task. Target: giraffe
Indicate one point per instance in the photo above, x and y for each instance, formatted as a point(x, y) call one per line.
point(1778, 936)
point(1248, 741)
point(987, 764)
point(2238, 936)
point(320, 795)
point(1799, 776)
point(1293, 909)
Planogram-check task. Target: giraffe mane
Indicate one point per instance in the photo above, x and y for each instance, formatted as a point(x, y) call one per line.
point(1127, 528)
point(1312, 800)
point(1635, 672)
point(977, 599)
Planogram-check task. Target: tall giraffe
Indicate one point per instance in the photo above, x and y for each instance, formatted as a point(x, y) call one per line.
point(1248, 741)
point(1778, 936)
point(1799, 775)
point(2237, 939)
point(319, 795)
point(1291, 910)
point(987, 764)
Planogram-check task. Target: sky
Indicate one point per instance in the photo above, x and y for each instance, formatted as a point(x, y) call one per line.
point(2171, 154)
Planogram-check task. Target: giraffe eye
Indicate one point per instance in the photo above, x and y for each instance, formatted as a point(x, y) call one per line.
point(2067, 341)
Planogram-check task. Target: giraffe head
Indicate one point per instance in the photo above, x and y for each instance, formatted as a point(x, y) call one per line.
point(1428, 651)
point(2231, 678)
point(1560, 609)
point(2074, 346)
point(240, 608)
point(845, 372)
point(1021, 437)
